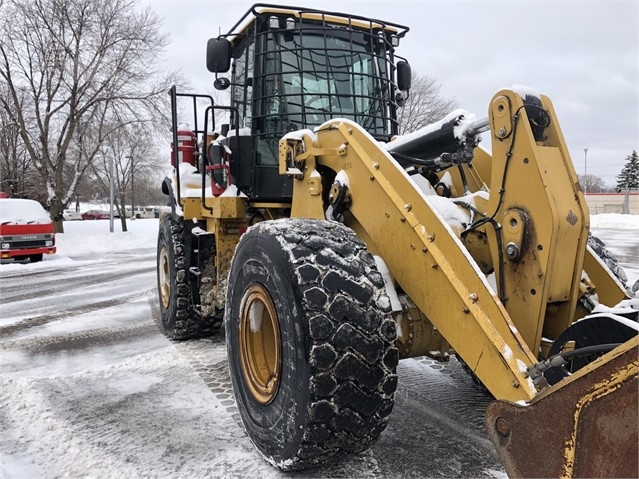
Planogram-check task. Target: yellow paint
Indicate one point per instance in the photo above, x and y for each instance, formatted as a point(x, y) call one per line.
point(220, 207)
point(424, 255)
point(540, 184)
point(541, 209)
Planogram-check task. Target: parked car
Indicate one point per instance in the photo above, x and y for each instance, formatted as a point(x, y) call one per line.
point(95, 215)
point(71, 215)
point(26, 231)
point(144, 212)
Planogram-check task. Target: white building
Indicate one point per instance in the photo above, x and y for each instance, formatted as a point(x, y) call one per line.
point(613, 203)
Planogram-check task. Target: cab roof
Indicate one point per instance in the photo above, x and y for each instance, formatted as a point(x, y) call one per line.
point(355, 21)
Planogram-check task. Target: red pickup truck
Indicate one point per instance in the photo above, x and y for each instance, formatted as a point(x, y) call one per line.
point(26, 231)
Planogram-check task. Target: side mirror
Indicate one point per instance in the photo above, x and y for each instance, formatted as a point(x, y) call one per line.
point(221, 83)
point(218, 55)
point(403, 76)
point(400, 99)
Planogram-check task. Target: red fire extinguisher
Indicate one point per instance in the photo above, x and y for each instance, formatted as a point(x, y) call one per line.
point(186, 145)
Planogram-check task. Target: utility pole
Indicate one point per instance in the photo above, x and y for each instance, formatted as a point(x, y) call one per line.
point(585, 170)
point(111, 195)
point(130, 158)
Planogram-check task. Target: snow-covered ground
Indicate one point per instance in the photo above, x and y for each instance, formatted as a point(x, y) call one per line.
point(90, 388)
point(91, 238)
point(621, 235)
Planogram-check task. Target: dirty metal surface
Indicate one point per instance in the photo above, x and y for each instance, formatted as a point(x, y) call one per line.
point(587, 428)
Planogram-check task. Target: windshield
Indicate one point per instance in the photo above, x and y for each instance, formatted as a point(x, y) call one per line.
point(314, 73)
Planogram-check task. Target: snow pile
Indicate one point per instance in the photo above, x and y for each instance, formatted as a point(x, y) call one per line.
point(463, 120)
point(93, 237)
point(625, 306)
point(232, 190)
point(615, 221)
point(91, 240)
point(625, 309)
point(524, 91)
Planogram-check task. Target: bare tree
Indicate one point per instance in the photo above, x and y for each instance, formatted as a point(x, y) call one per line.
point(77, 70)
point(424, 106)
point(17, 176)
point(130, 155)
point(592, 183)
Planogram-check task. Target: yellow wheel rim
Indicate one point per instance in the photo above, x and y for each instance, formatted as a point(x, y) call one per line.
point(259, 344)
point(165, 278)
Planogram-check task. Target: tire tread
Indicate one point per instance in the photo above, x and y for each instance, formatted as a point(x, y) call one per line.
point(188, 323)
point(349, 340)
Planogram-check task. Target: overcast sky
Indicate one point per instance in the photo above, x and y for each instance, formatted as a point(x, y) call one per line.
point(583, 55)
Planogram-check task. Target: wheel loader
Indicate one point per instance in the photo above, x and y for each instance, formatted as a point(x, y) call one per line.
point(329, 247)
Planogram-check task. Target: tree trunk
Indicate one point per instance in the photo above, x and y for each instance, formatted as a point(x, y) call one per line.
point(122, 210)
point(56, 209)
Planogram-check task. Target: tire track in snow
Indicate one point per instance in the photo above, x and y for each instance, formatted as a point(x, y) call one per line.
point(30, 274)
point(83, 339)
point(460, 411)
point(436, 406)
point(208, 358)
point(89, 263)
point(71, 312)
point(66, 284)
point(46, 436)
point(470, 410)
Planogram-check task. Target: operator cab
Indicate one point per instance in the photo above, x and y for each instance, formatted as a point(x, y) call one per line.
point(296, 68)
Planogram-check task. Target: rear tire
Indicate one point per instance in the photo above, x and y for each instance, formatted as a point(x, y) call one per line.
point(310, 342)
point(609, 259)
point(180, 319)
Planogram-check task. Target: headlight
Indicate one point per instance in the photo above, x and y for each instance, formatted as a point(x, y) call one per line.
point(5, 246)
point(48, 243)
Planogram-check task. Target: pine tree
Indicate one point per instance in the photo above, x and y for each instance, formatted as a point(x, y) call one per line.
point(628, 179)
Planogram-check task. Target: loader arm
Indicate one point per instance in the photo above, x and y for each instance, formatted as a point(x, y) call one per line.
point(531, 229)
point(423, 253)
point(535, 207)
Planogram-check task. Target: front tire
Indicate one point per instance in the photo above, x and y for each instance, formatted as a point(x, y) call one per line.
point(310, 342)
point(35, 258)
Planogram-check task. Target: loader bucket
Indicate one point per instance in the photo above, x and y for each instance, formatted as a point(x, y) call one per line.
point(583, 426)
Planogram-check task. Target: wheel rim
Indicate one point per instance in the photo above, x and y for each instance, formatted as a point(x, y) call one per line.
point(165, 278)
point(259, 344)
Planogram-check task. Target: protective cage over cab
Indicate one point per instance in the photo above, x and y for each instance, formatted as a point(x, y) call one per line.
point(296, 68)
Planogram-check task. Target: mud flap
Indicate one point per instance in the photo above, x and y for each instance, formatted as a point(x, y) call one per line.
point(584, 426)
